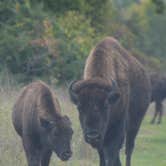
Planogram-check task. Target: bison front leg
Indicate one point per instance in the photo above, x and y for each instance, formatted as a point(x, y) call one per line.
point(32, 154)
point(113, 145)
point(101, 156)
point(131, 133)
point(111, 155)
point(46, 155)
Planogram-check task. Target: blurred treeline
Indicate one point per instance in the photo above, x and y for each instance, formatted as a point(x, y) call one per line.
point(50, 39)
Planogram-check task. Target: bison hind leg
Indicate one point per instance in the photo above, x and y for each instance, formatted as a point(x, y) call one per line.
point(155, 113)
point(154, 117)
point(160, 112)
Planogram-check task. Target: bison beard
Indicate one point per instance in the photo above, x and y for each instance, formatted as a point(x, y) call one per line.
point(43, 130)
point(112, 99)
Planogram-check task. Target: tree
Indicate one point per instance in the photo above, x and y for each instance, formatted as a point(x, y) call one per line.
point(160, 6)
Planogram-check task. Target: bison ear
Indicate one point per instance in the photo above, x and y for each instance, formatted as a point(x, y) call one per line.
point(46, 123)
point(113, 97)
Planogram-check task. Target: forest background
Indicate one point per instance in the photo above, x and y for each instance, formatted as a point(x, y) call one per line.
point(50, 39)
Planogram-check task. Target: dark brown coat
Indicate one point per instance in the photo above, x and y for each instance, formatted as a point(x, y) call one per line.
point(158, 83)
point(37, 119)
point(112, 99)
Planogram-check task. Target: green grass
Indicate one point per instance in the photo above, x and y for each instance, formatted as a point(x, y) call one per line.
point(150, 149)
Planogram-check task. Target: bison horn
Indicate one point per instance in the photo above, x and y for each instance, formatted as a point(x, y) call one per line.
point(72, 93)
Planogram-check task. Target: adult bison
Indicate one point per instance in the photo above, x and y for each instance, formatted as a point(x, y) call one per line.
point(37, 119)
point(112, 99)
point(158, 82)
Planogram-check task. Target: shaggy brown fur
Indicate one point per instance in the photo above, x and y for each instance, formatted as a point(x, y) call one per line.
point(158, 82)
point(112, 99)
point(37, 119)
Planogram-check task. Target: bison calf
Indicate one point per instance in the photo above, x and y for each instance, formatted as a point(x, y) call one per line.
point(37, 119)
point(112, 99)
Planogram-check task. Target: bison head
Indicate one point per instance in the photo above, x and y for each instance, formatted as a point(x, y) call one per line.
point(95, 100)
point(57, 135)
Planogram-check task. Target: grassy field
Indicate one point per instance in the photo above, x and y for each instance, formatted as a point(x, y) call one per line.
point(150, 147)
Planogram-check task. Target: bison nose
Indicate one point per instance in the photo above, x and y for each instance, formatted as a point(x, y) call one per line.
point(66, 155)
point(92, 135)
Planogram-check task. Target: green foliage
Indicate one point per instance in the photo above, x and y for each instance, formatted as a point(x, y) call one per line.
point(78, 38)
point(6, 11)
point(61, 6)
point(95, 10)
point(51, 39)
point(160, 6)
point(17, 52)
point(37, 45)
point(142, 30)
point(148, 28)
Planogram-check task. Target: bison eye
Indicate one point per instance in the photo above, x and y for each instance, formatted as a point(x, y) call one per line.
point(46, 123)
point(113, 97)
